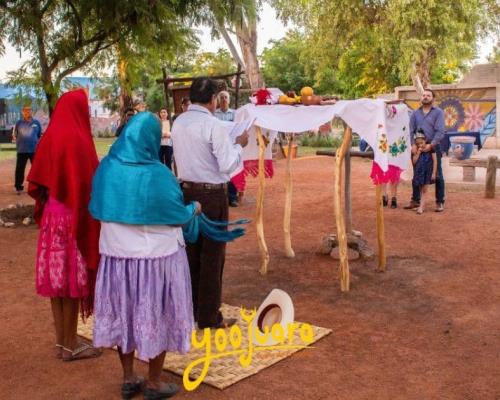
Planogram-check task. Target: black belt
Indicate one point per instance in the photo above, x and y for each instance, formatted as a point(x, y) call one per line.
point(204, 186)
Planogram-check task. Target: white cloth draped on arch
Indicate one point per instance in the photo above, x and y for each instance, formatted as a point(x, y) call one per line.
point(384, 127)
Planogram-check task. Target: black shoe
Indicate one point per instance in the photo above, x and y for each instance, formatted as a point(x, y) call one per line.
point(131, 389)
point(394, 203)
point(233, 203)
point(166, 390)
point(385, 200)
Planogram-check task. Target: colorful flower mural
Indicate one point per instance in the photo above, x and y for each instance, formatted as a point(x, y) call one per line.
point(454, 114)
point(465, 110)
point(473, 117)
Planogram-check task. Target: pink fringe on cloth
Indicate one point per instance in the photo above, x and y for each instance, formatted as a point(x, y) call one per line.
point(251, 167)
point(379, 177)
point(239, 181)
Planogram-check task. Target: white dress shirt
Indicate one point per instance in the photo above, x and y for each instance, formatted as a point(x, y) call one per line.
point(139, 241)
point(203, 150)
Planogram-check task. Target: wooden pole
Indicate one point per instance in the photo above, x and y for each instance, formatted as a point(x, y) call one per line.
point(339, 212)
point(491, 176)
point(380, 229)
point(288, 201)
point(352, 153)
point(347, 189)
point(259, 219)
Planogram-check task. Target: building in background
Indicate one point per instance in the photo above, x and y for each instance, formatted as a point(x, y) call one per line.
point(12, 98)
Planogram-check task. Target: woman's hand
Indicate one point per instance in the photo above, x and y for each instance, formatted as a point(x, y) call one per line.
point(197, 208)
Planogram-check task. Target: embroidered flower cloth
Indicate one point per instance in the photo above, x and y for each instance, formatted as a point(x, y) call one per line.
point(384, 127)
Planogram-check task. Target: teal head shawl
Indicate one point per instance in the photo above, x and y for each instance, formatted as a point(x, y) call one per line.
point(131, 186)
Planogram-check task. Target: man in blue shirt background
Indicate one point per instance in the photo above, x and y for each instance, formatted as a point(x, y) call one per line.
point(224, 113)
point(26, 134)
point(430, 120)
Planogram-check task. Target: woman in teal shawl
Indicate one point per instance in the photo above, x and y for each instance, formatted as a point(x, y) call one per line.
point(143, 298)
point(132, 186)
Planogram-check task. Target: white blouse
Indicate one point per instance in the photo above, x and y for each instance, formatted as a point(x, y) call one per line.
point(165, 128)
point(139, 241)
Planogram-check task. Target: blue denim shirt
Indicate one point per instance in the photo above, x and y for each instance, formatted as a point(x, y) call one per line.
point(27, 134)
point(224, 115)
point(431, 123)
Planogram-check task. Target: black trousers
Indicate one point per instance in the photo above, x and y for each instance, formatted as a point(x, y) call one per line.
point(166, 153)
point(206, 259)
point(21, 161)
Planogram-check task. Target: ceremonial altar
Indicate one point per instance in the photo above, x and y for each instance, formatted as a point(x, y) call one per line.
point(385, 127)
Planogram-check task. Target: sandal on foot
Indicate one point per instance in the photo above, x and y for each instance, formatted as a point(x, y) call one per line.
point(59, 350)
point(131, 389)
point(81, 352)
point(165, 391)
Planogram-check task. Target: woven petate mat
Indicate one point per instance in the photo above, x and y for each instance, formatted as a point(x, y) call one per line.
point(225, 371)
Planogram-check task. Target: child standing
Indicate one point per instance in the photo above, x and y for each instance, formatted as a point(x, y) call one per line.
point(68, 252)
point(425, 167)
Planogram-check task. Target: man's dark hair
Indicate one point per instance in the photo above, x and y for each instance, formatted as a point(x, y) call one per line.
point(431, 91)
point(202, 90)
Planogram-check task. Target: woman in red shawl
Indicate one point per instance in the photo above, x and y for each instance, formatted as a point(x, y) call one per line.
point(68, 253)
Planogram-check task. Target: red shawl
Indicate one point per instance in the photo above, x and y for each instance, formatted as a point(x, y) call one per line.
point(64, 164)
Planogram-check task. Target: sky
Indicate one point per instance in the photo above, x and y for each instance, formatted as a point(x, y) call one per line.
point(269, 28)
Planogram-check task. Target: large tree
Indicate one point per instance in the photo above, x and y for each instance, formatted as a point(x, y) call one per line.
point(373, 44)
point(238, 17)
point(63, 36)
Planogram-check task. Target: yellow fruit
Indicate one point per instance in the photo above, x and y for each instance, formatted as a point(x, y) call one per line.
point(283, 99)
point(306, 91)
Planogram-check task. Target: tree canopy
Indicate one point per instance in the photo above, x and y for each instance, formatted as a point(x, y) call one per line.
point(367, 47)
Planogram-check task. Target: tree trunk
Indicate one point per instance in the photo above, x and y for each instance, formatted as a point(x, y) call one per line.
point(232, 48)
point(421, 74)
point(125, 97)
point(247, 39)
point(51, 97)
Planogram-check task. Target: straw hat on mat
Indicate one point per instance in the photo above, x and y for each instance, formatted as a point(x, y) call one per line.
point(277, 308)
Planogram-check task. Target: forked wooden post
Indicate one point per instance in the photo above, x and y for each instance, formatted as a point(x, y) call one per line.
point(259, 218)
point(288, 201)
point(380, 229)
point(339, 211)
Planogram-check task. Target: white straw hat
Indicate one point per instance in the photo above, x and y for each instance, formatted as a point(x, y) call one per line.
point(277, 308)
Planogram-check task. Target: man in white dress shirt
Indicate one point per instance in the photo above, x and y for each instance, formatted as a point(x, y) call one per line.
point(205, 157)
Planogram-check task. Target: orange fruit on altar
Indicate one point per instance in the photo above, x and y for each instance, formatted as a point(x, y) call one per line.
point(306, 91)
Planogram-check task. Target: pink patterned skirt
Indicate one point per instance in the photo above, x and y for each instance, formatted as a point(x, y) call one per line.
point(60, 268)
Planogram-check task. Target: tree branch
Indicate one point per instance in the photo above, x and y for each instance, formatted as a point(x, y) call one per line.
point(99, 47)
point(44, 8)
point(79, 39)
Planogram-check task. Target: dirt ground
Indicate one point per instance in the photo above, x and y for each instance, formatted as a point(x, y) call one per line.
point(428, 328)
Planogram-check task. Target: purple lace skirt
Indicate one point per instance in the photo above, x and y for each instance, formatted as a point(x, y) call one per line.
point(144, 304)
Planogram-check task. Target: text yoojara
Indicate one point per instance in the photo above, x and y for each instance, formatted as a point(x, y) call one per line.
point(234, 338)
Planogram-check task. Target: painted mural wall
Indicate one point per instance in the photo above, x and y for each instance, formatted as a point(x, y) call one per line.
point(466, 110)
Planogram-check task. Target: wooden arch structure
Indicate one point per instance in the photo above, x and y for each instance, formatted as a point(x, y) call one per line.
point(343, 219)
